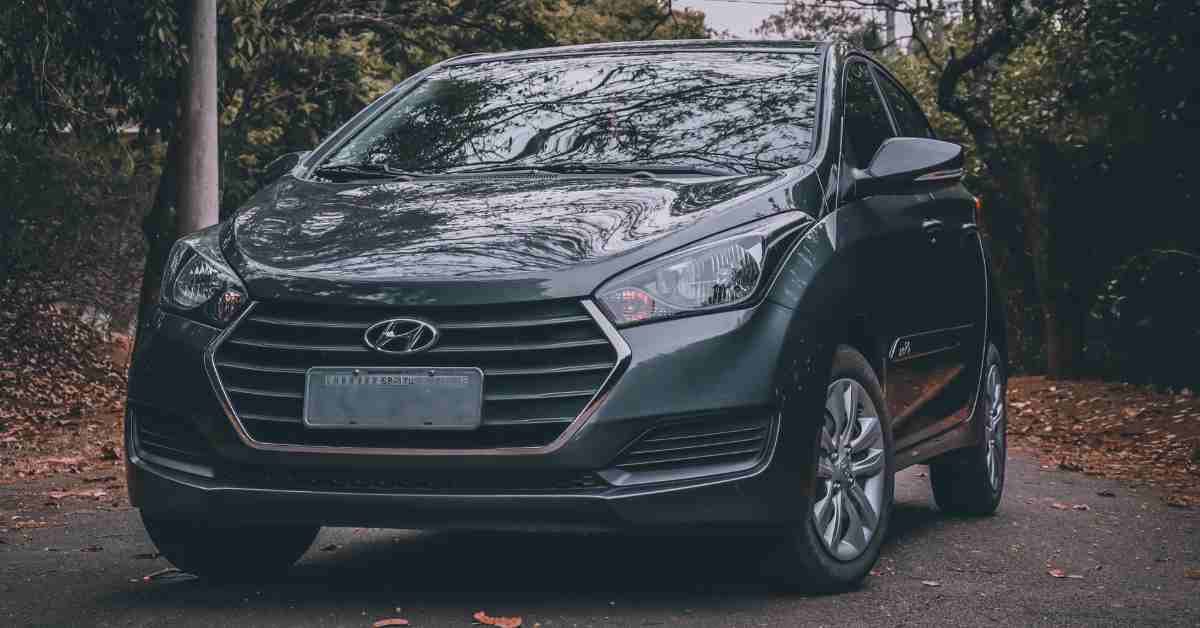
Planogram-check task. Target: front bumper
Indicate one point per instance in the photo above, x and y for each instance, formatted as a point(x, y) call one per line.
point(716, 365)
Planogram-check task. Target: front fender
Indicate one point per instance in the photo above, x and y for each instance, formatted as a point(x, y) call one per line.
point(815, 284)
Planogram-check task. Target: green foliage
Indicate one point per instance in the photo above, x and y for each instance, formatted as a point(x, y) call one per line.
point(67, 232)
point(86, 66)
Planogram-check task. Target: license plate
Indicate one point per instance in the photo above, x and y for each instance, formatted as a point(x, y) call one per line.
point(393, 398)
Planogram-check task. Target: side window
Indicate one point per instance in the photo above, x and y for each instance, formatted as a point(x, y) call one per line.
point(909, 118)
point(866, 121)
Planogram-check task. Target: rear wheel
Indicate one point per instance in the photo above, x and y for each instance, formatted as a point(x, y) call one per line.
point(229, 553)
point(850, 503)
point(971, 481)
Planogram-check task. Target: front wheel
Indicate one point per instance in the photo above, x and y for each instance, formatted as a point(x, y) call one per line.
point(850, 503)
point(226, 553)
point(971, 481)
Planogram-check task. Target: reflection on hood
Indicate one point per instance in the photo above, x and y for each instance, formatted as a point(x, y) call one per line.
point(471, 226)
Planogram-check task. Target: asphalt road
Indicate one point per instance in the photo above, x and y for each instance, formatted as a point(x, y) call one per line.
point(1128, 553)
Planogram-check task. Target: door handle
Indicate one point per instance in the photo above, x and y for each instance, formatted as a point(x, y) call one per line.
point(933, 228)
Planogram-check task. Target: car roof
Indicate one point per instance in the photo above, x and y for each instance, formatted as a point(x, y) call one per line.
point(707, 45)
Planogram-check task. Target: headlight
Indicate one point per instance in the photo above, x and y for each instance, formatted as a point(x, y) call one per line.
point(197, 283)
point(711, 276)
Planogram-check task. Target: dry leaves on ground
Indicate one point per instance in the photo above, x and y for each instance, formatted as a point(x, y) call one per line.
point(391, 621)
point(1111, 430)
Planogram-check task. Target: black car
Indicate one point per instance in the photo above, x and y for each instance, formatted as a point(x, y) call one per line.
point(710, 285)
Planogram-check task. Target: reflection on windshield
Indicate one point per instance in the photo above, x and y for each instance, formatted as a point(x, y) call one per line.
point(747, 110)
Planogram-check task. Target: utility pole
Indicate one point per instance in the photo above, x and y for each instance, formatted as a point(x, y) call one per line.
point(890, 24)
point(198, 157)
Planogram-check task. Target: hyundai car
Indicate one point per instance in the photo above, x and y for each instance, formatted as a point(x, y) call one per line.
point(695, 285)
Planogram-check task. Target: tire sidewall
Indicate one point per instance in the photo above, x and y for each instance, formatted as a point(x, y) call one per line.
point(984, 415)
point(849, 364)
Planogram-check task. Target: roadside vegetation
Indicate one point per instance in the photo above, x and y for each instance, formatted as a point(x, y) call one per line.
point(1081, 120)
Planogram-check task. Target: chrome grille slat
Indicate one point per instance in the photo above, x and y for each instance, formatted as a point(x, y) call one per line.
point(362, 326)
point(566, 394)
point(264, 393)
point(542, 363)
point(268, 418)
point(287, 346)
point(556, 419)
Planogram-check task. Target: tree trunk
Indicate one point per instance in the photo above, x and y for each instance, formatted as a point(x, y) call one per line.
point(198, 172)
point(1062, 311)
point(159, 228)
point(186, 198)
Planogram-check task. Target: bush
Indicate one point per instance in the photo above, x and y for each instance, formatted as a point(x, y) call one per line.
point(1147, 320)
point(70, 226)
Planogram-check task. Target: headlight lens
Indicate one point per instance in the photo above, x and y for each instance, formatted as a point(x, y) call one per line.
point(196, 285)
point(711, 276)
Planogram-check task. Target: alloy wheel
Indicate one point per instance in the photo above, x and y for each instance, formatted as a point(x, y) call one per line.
point(994, 429)
point(850, 471)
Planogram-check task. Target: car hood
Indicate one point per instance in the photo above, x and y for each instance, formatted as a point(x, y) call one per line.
point(476, 239)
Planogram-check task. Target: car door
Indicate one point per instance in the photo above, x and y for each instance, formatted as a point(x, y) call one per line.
point(948, 347)
point(899, 280)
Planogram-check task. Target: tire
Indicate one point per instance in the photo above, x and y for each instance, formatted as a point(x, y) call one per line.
point(804, 560)
point(229, 554)
point(964, 482)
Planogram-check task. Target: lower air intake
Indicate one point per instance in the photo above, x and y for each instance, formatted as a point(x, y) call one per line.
point(717, 444)
point(165, 438)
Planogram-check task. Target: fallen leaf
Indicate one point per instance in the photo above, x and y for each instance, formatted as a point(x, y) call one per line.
point(1060, 506)
point(160, 573)
point(1191, 574)
point(501, 622)
point(931, 583)
point(394, 621)
point(94, 494)
point(63, 461)
point(1057, 573)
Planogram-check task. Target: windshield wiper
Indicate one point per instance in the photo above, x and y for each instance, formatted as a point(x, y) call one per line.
point(350, 172)
point(631, 169)
point(634, 169)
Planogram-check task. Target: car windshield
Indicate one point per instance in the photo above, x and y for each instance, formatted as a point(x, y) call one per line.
point(734, 111)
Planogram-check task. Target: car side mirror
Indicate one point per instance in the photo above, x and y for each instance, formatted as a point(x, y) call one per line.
point(282, 165)
point(904, 162)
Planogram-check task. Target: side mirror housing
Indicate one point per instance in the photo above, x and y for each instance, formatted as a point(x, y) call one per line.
point(282, 165)
point(904, 162)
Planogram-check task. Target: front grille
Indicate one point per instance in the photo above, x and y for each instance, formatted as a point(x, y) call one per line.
point(488, 482)
point(728, 441)
point(542, 363)
point(169, 437)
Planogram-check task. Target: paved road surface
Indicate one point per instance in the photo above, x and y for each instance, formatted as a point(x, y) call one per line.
point(1130, 551)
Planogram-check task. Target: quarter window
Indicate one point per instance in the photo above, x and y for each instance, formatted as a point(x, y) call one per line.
point(866, 121)
point(908, 115)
